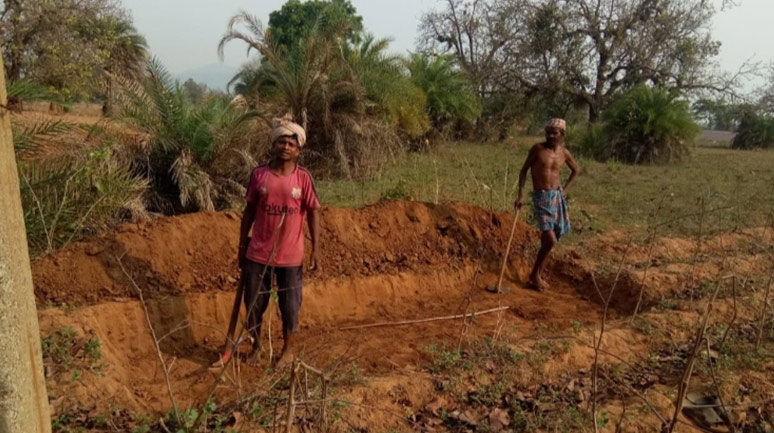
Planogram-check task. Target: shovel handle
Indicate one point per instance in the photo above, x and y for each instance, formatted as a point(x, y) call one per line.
point(507, 252)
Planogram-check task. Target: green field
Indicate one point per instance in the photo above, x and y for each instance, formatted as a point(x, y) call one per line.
point(733, 187)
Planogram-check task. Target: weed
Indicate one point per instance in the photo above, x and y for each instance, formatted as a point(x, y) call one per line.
point(398, 192)
point(443, 358)
point(666, 305)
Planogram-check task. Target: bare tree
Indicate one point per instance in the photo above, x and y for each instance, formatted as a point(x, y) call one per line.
point(23, 397)
point(582, 50)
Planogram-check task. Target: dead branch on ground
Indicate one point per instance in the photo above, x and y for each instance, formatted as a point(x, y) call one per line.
point(431, 319)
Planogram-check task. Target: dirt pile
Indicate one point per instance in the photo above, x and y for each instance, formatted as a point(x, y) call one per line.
point(197, 252)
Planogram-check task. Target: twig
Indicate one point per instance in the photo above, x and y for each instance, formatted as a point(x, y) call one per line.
point(764, 308)
point(644, 275)
point(697, 251)
point(468, 300)
point(648, 263)
point(292, 397)
point(733, 318)
point(49, 239)
point(507, 252)
point(164, 368)
point(432, 319)
point(685, 380)
point(595, 373)
point(725, 416)
point(324, 410)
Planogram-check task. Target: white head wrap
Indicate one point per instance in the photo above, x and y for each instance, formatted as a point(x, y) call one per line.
point(285, 127)
point(557, 123)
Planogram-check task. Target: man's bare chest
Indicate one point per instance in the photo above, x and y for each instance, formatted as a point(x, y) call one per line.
point(549, 159)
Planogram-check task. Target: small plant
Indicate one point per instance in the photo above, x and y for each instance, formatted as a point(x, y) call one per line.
point(65, 350)
point(443, 358)
point(666, 305)
point(397, 192)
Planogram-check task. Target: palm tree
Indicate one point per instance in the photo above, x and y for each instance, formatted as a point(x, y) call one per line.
point(648, 125)
point(348, 97)
point(195, 153)
point(127, 54)
point(390, 91)
point(450, 94)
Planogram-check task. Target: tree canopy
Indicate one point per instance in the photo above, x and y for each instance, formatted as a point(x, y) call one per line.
point(66, 44)
point(296, 19)
point(581, 51)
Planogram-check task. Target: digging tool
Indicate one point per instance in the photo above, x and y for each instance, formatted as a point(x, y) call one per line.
point(499, 287)
point(234, 318)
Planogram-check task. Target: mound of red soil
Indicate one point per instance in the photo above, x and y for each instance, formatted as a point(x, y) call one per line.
point(197, 252)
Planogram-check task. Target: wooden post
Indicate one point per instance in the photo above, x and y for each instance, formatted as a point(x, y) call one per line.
point(23, 396)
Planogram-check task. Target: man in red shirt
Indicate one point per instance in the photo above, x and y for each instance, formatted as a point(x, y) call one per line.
point(279, 196)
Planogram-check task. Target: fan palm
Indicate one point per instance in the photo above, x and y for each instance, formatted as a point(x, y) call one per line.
point(647, 125)
point(450, 94)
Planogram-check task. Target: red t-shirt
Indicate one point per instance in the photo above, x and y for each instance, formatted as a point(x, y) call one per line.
point(272, 195)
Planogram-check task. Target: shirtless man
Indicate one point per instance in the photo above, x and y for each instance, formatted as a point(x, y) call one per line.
point(549, 198)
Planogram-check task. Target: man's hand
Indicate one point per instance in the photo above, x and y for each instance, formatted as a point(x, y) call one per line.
point(314, 264)
point(519, 203)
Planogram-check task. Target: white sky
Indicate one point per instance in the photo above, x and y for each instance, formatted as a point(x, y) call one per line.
point(184, 33)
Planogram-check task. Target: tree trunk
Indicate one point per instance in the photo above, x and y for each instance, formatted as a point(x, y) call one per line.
point(594, 113)
point(107, 106)
point(23, 396)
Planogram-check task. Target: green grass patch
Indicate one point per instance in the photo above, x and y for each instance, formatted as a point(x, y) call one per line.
point(606, 195)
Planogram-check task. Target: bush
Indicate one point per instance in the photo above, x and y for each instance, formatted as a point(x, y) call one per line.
point(644, 125)
point(71, 185)
point(196, 156)
point(755, 131)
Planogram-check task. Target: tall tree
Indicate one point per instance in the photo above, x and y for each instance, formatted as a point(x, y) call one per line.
point(295, 20)
point(352, 98)
point(582, 50)
point(125, 53)
point(54, 41)
point(23, 396)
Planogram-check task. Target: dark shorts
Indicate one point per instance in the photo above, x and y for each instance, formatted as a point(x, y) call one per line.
point(257, 292)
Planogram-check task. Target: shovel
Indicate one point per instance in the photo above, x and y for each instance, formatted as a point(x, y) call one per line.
point(499, 287)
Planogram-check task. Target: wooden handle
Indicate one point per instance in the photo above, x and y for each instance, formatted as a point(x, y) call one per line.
point(507, 252)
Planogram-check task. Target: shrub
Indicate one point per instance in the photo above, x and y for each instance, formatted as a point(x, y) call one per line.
point(70, 185)
point(644, 125)
point(755, 131)
point(196, 156)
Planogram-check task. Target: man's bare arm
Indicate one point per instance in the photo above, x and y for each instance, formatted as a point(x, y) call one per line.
point(248, 217)
point(313, 219)
point(523, 177)
point(574, 169)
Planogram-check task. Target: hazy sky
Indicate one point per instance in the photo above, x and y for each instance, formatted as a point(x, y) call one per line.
point(184, 33)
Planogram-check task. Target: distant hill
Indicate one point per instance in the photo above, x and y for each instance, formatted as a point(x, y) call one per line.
point(216, 75)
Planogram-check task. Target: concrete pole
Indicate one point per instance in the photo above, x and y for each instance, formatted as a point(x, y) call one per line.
point(23, 397)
